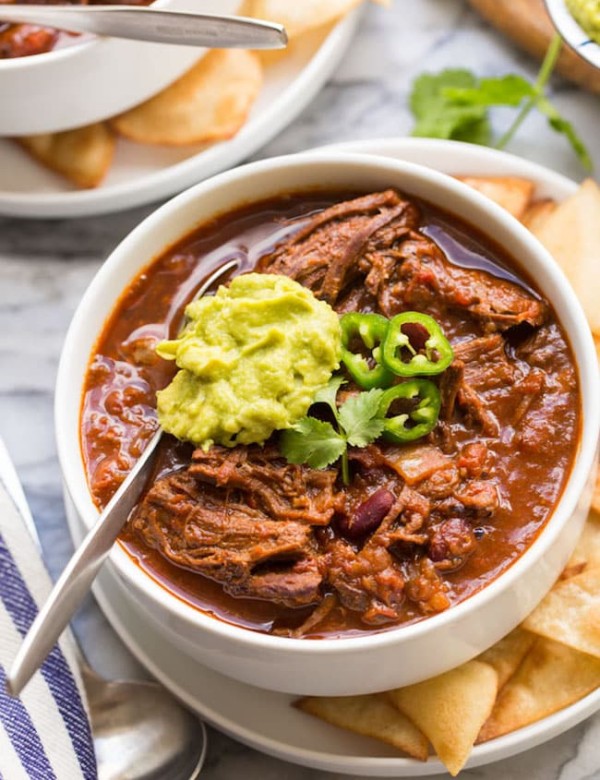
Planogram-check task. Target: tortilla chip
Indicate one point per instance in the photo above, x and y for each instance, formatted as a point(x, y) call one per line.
point(451, 709)
point(507, 654)
point(510, 192)
point(372, 716)
point(208, 103)
point(587, 552)
point(572, 236)
point(570, 613)
point(539, 211)
point(245, 8)
point(298, 17)
point(310, 40)
point(551, 677)
point(596, 493)
point(83, 155)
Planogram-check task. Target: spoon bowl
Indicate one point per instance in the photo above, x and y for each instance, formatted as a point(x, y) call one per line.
point(138, 726)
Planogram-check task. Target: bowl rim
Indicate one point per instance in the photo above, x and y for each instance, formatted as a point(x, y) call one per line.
point(572, 33)
point(33, 61)
point(581, 343)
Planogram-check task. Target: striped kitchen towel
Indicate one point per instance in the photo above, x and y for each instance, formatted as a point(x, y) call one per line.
point(44, 735)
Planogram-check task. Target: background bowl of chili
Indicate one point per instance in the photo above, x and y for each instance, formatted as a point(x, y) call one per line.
point(357, 662)
point(79, 80)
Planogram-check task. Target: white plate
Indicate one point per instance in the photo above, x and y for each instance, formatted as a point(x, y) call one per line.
point(574, 35)
point(264, 719)
point(141, 174)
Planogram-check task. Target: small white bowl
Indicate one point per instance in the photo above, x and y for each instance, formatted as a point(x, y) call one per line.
point(372, 662)
point(94, 79)
point(572, 33)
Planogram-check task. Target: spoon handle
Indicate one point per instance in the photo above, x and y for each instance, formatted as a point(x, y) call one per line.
point(76, 579)
point(148, 24)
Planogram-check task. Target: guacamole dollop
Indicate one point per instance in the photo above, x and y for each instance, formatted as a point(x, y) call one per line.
point(587, 14)
point(251, 359)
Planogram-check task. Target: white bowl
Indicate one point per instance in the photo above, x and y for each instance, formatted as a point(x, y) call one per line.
point(372, 662)
point(572, 33)
point(93, 80)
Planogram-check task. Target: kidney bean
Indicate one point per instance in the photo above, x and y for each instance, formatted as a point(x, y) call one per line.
point(451, 543)
point(367, 516)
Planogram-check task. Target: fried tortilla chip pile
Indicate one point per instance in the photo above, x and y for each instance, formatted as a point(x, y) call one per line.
point(208, 104)
point(553, 659)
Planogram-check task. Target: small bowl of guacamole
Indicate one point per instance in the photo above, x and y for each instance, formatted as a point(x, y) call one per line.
point(578, 22)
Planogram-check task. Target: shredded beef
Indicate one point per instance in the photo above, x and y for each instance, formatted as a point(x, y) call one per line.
point(425, 587)
point(486, 364)
point(476, 410)
point(422, 277)
point(415, 513)
point(450, 384)
point(270, 484)
point(216, 534)
point(323, 255)
point(267, 529)
point(480, 368)
point(367, 581)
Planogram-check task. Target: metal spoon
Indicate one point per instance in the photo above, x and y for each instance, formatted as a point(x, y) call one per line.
point(150, 24)
point(140, 731)
point(78, 575)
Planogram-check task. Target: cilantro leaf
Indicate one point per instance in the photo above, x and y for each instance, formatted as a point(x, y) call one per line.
point(327, 394)
point(455, 104)
point(313, 442)
point(318, 444)
point(359, 417)
point(440, 117)
point(561, 125)
point(502, 91)
point(478, 132)
point(427, 95)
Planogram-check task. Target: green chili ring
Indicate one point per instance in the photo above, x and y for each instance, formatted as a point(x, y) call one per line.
point(423, 417)
point(437, 352)
point(371, 329)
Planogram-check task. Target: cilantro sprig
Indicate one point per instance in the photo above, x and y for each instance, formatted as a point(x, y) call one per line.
point(358, 422)
point(455, 104)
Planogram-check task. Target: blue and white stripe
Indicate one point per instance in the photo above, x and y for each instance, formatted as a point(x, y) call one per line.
point(46, 735)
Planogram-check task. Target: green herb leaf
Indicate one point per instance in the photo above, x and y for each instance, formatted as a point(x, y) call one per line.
point(561, 125)
point(440, 117)
point(327, 394)
point(318, 444)
point(478, 132)
point(313, 442)
point(454, 104)
point(360, 418)
point(503, 91)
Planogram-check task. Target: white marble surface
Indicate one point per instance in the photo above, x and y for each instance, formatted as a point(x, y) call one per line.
point(45, 266)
